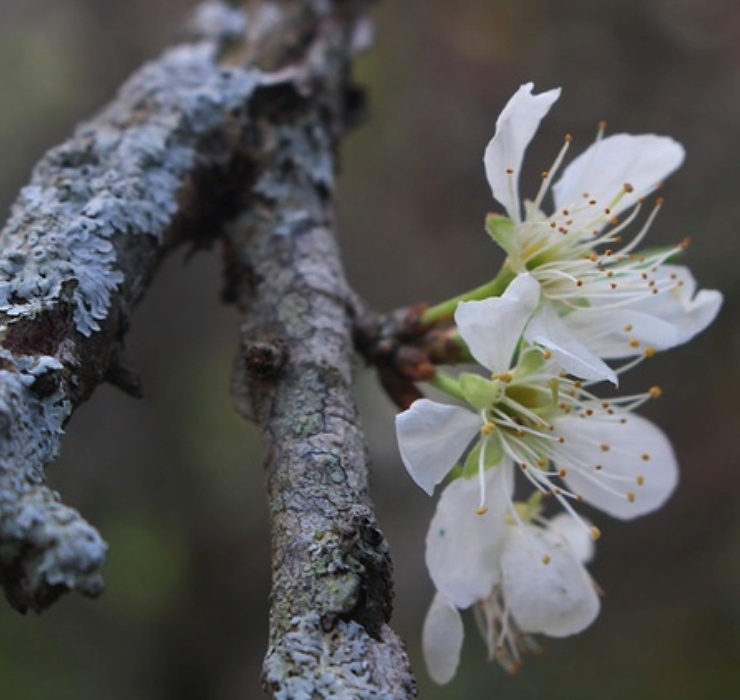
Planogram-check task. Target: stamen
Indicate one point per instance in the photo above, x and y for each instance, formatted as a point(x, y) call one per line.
point(514, 195)
point(482, 509)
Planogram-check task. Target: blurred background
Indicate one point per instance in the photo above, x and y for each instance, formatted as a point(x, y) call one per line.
point(174, 482)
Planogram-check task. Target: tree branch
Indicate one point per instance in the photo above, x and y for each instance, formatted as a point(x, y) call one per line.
point(232, 133)
point(332, 579)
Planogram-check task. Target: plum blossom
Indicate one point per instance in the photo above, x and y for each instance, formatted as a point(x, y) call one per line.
point(616, 301)
point(527, 414)
point(521, 573)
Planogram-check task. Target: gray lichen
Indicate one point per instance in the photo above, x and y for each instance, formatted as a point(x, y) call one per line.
point(45, 547)
point(312, 664)
point(120, 174)
point(75, 255)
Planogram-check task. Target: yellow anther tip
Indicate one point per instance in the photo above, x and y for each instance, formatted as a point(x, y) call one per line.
point(595, 533)
point(481, 511)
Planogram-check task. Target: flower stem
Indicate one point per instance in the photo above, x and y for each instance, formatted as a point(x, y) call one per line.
point(447, 384)
point(445, 310)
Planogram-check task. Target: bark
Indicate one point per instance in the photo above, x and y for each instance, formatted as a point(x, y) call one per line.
point(231, 135)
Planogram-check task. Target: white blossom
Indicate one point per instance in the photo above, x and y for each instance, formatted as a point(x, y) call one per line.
point(521, 573)
point(528, 414)
point(617, 302)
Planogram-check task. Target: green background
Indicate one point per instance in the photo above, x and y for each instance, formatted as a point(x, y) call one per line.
point(175, 482)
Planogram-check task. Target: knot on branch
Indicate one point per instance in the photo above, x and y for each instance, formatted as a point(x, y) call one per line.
point(264, 358)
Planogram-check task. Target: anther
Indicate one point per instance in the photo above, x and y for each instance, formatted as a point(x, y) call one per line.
point(628, 188)
point(604, 447)
point(487, 428)
point(546, 559)
point(640, 480)
point(650, 352)
point(631, 496)
point(509, 171)
point(634, 343)
point(595, 532)
point(655, 392)
point(645, 457)
point(628, 328)
point(481, 511)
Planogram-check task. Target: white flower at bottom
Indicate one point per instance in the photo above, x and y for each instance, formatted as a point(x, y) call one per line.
point(522, 577)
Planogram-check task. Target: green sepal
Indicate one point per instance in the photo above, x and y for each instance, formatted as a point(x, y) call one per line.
point(479, 392)
point(531, 508)
point(502, 229)
point(530, 361)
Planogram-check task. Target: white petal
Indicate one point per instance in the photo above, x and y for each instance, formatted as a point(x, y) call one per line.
point(431, 438)
point(610, 332)
point(463, 547)
point(547, 329)
point(688, 314)
point(515, 128)
point(492, 328)
point(556, 598)
point(660, 321)
point(643, 161)
point(441, 639)
point(638, 469)
point(577, 536)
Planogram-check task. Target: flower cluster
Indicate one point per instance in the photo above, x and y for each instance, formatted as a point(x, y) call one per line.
point(574, 304)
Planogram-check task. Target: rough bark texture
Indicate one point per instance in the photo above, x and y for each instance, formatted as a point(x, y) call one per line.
point(231, 134)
